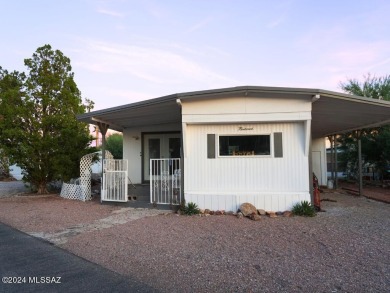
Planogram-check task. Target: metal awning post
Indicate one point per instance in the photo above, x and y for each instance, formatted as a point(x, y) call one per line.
point(359, 135)
point(103, 129)
point(330, 138)
point(335, 162)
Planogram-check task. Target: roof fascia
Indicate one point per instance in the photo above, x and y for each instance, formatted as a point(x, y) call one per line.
point(135, 105)
point(360, 99)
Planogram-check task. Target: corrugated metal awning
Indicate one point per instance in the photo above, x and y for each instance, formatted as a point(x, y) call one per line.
point(332, 113)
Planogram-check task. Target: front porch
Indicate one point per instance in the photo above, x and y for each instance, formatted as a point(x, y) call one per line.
point(163, 189)
point(139, 197)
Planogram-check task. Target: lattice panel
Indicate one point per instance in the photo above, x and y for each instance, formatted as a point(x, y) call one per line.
point(73, 191)
point(82, 191)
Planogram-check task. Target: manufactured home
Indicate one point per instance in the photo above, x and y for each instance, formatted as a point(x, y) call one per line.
point(220, 148)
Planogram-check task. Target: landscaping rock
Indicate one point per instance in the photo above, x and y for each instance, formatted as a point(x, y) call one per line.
point(207, 211)
point(201, 211)
point(287, 214)
point(255, 217)
point(218, 213)
point(240, 215)
point(272, 214)
point(212, 213)
point(261, 212)
point(247, 209)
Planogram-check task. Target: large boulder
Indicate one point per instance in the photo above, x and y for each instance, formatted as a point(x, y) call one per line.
point(247, 209)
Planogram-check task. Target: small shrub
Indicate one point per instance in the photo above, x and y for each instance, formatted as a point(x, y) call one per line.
point(191, 209)
point(304, 208)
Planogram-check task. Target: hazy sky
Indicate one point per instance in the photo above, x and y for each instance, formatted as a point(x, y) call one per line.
point(125, 51)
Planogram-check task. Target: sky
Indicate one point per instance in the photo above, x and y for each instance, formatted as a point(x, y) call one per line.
point(126, 51)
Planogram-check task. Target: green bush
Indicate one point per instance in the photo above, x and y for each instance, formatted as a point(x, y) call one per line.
point(190, 209)
point(304, 208)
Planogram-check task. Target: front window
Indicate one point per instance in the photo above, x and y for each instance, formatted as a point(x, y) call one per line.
point(244, 145)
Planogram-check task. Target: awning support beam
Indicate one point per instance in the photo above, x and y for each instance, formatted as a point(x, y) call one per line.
point(112, 125)
point(103, 127)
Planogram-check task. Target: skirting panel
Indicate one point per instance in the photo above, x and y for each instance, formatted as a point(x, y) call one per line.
point(263, 200)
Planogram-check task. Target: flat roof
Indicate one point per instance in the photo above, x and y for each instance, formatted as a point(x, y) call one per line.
point(333, 113)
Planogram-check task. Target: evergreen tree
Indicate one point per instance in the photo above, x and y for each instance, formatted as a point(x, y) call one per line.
point(38, 126)
point(114, 144)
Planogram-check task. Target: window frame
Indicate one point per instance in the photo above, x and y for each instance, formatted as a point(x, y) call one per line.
point(271, 149)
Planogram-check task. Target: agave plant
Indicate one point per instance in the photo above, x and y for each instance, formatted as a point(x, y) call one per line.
point(304, 208)
point(191, 209)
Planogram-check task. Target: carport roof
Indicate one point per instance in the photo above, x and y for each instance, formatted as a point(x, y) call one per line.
point(332, 113)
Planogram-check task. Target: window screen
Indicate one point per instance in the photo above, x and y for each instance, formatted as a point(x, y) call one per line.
point(244, 145)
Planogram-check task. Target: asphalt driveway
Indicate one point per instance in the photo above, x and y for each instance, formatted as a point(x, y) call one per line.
point(12, 187)
point(28, 264)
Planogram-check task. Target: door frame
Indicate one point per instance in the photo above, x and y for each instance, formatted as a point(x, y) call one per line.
point(143, 149)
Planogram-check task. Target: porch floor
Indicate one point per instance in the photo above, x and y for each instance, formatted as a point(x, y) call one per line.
point(139, 197)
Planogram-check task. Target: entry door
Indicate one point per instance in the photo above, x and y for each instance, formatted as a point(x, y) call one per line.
point(160, 146)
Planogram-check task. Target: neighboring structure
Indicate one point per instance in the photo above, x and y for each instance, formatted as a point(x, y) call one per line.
point(16, 172)
point(235, 145)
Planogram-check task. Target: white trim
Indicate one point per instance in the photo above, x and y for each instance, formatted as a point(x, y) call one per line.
point(307, 129)
point(271, 152)
point(246, 118)
point(184, 138)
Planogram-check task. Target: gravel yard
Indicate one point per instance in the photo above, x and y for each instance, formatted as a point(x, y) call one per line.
point(345, 249)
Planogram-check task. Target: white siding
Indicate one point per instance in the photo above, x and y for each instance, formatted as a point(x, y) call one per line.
point(132, 147)
point(245, 105)
point(262, 200)
point(224, 183)
point(245, 109)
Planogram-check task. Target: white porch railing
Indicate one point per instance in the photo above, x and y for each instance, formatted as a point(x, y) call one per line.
point(165, 181)
point(114, 186)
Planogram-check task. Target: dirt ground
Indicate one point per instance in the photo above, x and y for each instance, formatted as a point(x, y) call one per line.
point(369, 191)
point(344, 249)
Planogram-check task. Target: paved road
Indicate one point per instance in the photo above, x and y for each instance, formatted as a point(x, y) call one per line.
point(22, 256)
point(12, 187)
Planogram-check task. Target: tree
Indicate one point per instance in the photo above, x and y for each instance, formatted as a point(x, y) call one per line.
point(38, 126)
point(114, 144)
point(375, 141)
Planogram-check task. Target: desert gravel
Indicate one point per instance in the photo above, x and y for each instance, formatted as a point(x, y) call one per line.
point(49, 213)
point(345, 249)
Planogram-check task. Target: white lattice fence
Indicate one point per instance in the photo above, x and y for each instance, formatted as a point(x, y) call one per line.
point(82, 191)
point(73, 191)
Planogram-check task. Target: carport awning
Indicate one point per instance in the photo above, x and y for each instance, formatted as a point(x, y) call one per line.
point(336, 114)
point(332, 113)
